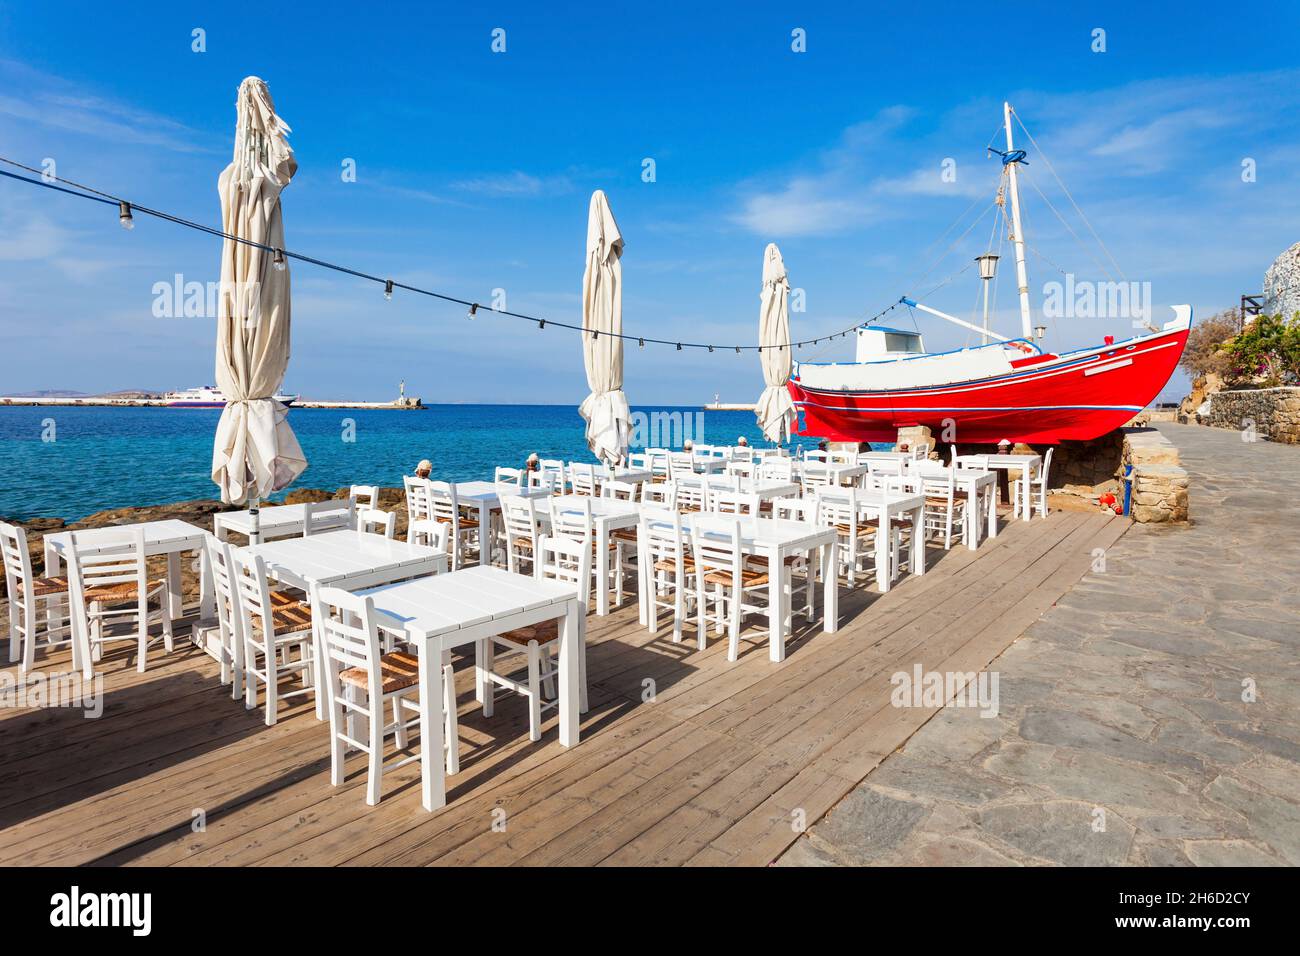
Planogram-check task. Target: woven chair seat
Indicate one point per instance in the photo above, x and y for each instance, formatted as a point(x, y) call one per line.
point(283, 598)
point(523, 544)
point(114, 593)
point(865, 530)
point(667, 564)
point(761, 561)
point(542, 633)
point(748, 578)
point(397, 671)
point(43, 586)
point(288, 617)
point(463, 522)
point(624, 534)
point(931, 502)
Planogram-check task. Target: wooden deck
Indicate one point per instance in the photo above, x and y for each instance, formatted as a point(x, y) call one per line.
point(685, 759)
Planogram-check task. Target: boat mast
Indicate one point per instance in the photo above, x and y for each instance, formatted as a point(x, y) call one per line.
point(1017, 237)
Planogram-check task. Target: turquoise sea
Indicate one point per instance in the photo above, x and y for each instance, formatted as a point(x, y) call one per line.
point(65, 462)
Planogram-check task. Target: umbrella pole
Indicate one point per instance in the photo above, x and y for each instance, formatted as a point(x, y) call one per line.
point(255, 515)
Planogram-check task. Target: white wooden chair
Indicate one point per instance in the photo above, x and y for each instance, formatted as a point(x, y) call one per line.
point(418, 507)
point(660, 494)
point(559, 474)
point(561, 559)
point(945, 509)
point(550, 480)
point(672, 584)
point(742, 469)
point(582, 478)
point(228, 630)
point(618, 490)
point(321, 516)
point(813, 477)
point(681, 464)
point(1037, 489)
point(30, 598)
point(815, 454)
point(776, 468)
point(522, 530)
point(508, 476)
point(639, 461)
point(692, 494)
point(365, 496)
point(108, 585)
point(838, 508)
point(431, 533)
point(729, 502)
point(464, 533)
point(574, 521)
point(374, 521)
point(276, 633)
point(801, 578)
point(363, 684)
point(720, 570)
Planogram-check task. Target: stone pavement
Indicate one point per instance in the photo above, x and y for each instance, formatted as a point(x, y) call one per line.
point(1122, 735)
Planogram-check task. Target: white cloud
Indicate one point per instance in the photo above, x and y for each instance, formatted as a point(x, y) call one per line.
point(515, 183)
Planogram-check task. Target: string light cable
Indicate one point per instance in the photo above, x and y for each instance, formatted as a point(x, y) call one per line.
point(126, 209)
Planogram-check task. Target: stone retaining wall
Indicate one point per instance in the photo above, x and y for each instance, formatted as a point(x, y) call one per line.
point(1269, 413)
point(1160, 484)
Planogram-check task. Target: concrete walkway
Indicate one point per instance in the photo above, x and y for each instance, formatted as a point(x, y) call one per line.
point(1152, 717)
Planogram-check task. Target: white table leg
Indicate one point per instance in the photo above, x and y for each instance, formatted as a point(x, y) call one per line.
point(778, 574)
point(568, 703)
point(1024, 492)
point(644, 582)
point(207, 588)
point(971, 518)
point(433, 768)
point(884, 573)
point(992, 504)
point(174, 585)
point(602, 568)
point(917, 563)
point(830, 596)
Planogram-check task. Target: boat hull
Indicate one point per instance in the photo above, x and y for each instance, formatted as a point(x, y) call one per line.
point(1076, 396)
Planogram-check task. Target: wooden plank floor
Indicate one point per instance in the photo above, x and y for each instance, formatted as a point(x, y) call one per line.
point(685, 759)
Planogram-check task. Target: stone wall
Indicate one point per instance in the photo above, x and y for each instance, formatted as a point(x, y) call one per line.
point(1160, 484)
point(1269, 413)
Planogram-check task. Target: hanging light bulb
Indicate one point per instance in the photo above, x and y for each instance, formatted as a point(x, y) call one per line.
point(679, 346)
point(595, 334)
point(641, 342)
point(737, 349)
point(277, 260)
point(472, 310)
point(541, 324)
point(124, 216)
point(388, 289)
point(710, 348)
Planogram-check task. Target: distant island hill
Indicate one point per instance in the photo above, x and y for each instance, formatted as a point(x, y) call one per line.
point(144, 398)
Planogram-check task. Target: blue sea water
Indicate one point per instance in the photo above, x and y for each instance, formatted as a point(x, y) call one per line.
point(102, 458)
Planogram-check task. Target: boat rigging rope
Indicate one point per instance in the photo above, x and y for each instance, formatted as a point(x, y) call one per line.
point(1082, 245)
point(1048, 163)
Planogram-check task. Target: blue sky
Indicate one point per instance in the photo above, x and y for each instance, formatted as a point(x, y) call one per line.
point(474, 171)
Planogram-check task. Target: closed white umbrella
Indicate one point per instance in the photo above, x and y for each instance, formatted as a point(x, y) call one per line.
point(255, 452)
point(605, 409)
point(775, 409)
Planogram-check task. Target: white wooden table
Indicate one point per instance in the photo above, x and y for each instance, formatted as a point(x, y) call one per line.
point(765, 488)
point(886, 506)
point(633, 476)
point(346, 559)
point(775, 539)
point(1027, 465)
point(608, 515)
point(172, 537)
point(276, 521)
point(839, 474)
point(485, 498)
point(466, 606)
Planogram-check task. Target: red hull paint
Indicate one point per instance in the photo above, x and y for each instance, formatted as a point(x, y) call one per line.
point(1079, 395)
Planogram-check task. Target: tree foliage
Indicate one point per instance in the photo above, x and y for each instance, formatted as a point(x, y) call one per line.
point(1204, 353)
point(1266, 353)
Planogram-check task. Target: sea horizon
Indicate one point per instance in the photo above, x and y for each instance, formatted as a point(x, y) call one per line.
point(77, 460)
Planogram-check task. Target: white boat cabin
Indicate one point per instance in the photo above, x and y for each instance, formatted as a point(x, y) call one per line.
point(876, 344)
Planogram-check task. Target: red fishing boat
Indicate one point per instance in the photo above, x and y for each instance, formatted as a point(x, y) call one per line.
point(1006, 389)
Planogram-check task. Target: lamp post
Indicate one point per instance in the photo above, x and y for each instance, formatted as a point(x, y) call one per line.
point(988, 264)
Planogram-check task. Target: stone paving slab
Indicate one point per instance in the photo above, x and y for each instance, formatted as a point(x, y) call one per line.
point(1151, 717)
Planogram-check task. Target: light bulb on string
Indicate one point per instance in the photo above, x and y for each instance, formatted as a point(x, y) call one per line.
point(277, 260)
point(124, 216)
point(388, 289)
point(472, 310)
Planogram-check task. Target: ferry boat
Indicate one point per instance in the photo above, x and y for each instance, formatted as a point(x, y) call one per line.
point(1007, 389)
point(209, 396)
